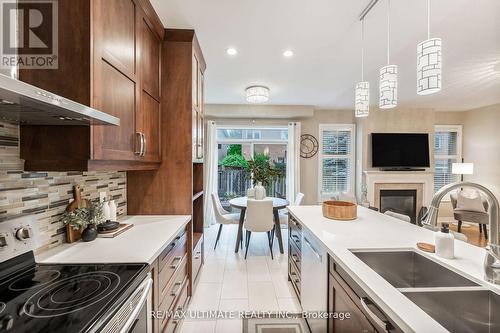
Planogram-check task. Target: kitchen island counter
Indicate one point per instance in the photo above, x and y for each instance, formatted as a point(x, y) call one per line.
point(375, 231)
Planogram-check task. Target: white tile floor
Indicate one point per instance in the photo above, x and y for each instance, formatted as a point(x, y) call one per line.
point(228, 282)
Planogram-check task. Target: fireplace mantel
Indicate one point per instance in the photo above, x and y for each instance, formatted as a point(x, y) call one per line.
point(426, 178)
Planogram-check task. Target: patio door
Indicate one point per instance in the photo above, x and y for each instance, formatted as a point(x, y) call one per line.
point(238, 145)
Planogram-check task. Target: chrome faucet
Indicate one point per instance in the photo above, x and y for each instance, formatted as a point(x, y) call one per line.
point(492, 258)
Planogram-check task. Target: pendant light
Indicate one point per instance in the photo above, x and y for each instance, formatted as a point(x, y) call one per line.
point(362, 101)
point(429, 62)
point(388, 97)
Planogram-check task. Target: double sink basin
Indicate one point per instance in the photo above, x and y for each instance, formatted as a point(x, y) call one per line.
point(457, 303)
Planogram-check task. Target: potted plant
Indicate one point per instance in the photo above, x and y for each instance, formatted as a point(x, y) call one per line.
point(262, 173)
point(85, 219)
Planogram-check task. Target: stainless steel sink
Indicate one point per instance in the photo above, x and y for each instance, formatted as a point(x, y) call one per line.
point(474, 311)
point(457, 303)
point(408, 269)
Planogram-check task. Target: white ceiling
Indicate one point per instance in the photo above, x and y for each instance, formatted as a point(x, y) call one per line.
point(325, 36)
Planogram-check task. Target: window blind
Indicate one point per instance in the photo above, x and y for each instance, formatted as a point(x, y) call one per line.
point(336, 161)
point(447, 150)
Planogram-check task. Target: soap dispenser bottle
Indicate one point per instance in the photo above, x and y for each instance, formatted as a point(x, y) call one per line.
point(445, 242)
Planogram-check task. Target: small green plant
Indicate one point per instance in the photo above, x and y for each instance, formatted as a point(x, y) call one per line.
point(234, 158)
point(80, 218)
point(262, 170)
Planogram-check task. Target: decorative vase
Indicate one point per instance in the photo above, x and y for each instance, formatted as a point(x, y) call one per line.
point(90, 233)
point(260, 191)
point(251, 193)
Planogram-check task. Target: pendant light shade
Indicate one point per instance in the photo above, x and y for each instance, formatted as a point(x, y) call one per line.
point(429, 66)
point(429, 61)
point(362, 107)
point(362, 92)
point(388, 87)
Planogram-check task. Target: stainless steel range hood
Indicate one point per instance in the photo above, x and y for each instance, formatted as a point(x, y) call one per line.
point(25, 104)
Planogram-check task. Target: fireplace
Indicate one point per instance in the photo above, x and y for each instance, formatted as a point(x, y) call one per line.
point(399, 201)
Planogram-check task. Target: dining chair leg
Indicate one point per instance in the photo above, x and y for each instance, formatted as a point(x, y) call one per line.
point(269, 239)
point(249, 234)
point(459, 226)
point(241, 241)
point(485, 232)
point(272, 236)
point(218, 236)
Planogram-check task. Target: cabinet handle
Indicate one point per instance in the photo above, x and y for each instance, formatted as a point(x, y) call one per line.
point(383, 324)
point(313, 249)
point(144, 149)
point(174, 293)
point(175, 266)
point(138, 136)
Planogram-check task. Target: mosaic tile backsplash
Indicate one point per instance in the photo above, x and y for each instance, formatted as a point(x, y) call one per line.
point(46, 194)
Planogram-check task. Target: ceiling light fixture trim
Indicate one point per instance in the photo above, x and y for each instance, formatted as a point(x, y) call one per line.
point(257, 94)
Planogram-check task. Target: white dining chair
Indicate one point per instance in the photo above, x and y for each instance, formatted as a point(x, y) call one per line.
point(222, 216)
point(298, 201)
point(259, 218)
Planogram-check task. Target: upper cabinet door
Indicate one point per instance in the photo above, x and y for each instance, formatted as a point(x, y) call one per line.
point(115, 88)
point(148, 115)
point(150, 60)
point(115, 26)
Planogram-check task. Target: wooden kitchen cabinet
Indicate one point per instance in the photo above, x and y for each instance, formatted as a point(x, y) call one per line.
point(170, 273)
point(177, 186)
point(345, 295)
point(339, 301)
point(109, 59)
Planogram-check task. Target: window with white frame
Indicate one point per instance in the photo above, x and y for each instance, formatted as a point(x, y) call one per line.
point(336, 159)
point(447, 150)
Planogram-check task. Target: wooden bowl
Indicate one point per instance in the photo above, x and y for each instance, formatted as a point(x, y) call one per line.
point(340, 210)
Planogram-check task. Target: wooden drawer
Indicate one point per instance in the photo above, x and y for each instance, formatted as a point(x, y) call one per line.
point(170, 325)
point(175, 248)
point(295, 255)
point(197, 259)
point(294, 276)
point(171, 290)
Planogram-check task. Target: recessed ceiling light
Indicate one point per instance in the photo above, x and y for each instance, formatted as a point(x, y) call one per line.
point(231, 51)
point(288, 53)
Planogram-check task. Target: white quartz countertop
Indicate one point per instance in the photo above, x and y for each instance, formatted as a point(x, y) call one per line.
point(142, 243)
point(373, 230)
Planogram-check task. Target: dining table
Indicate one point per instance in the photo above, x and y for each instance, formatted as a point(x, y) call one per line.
point(241, 204)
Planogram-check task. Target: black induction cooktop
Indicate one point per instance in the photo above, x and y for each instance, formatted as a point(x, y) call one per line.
point(62, 298)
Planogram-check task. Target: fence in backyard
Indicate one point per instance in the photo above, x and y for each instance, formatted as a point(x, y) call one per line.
point(234, 183)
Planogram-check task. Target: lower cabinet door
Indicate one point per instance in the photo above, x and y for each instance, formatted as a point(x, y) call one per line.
point(339, 301)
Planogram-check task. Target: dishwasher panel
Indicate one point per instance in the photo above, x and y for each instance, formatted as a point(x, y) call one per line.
point(314, 284)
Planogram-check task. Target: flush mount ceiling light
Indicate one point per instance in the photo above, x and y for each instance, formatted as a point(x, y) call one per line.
point(257, 94)
point(429, 62)
point(362, 99)
point(388, 97)
point(231, 51)
point(288, 53)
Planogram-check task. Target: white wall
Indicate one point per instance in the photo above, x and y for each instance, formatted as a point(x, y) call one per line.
point(482, 146)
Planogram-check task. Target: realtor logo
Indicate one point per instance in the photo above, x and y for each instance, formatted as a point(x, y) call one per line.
point(29, 36)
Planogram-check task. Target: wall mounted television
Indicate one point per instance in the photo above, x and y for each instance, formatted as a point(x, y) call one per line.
point(400, 151)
